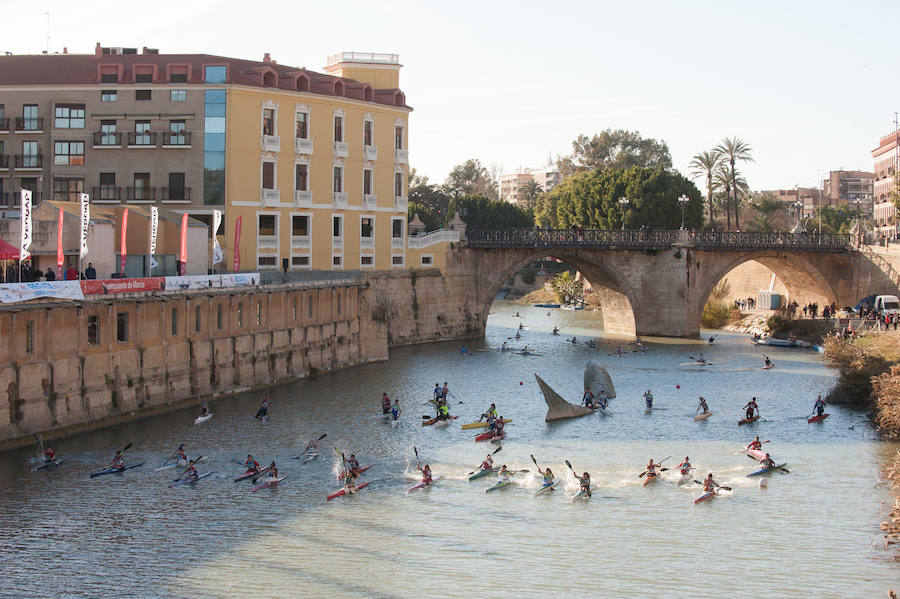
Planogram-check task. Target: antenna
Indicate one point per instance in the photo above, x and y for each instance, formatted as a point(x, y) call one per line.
point(47, 48)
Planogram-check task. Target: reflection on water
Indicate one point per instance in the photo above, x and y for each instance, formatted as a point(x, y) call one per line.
point(812, 532)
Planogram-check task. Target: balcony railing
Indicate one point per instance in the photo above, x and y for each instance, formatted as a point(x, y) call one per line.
point(267, 241)
point(107, 139)
point(303, 199)
point(4, 161)
point(141, 140)
point(401, 156)
point(776, 241)
point(339, 199)
point(269, 197)
point(300, 242)
point(367, 243)
point(106, 193)
point(271, 143)
point(176, 194)
point(172, 139)
point(370, 201)
point(141, 194)
point(4, 199)
point(29, 161)
point(341, 149)
point(396, 243)
point(33, 124)
point(370, 152)
point(337, 243)
point(303, 146)
point(4, 125)
point(400, 203)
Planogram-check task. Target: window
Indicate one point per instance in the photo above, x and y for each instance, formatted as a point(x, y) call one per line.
point(121, 327)
point(177, 191)
point(301, 177)
point(294, 309)
point(31, 121)
point(197, 319)
point(67, 190)
point(143, 78)
point(366, 228)
point(367, 132)
point(219, 316)
point(215, 74)
point(29, 337)
point(309, 306)
point(266, 224)
point(93, 330)
point(396, 227)
point(427, 260)
point(68, 152)
point(176, 133)
point(367, 181)
point(338, 179)
point(142, 189)
point(302, 125)
point(142, 135)
point(268, 123)
point(108, 189)
point(258, 313)
point(398, 138)
point(178, 77)
point(398, 184)
point(214, 147)
point(174, 322)
point(366, 260)
point(396, 260)
point(30, 156)
point(267, 261)
point(142, 95)
point(69, 116)
point(299, 225)
point(338, 303)
point(108, 135)
point(337, 226)
point(109, 78)
point(338, 128)
point(336, 260)
point(178, 95)
point(268, 175)
point(302, 262)
point(240, 314)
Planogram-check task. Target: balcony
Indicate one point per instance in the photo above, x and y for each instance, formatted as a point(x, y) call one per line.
point(176, 195)
point(5, 199)
point(4, 162)
point(29, 161)
point(173, 139)
point(269, 197)
point(401, 156)
point(370, 152)
point(303, 146)
point(271, 143)
point(303, 199)
point(396, 243)
point(339, 199)
point(341, 149)
point(141, 140)
point(337, 243)
point(400, 204)
point(140, 194)
point(367, 243)
point(29, 125)
point(106, 194)
point(370, 201)
point(267, 241)
point(107, 139)
point(4, 125)
point(300, 242)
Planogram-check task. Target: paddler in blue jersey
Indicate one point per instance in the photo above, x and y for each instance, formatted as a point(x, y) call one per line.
point(263, 411)
point(385, 403)
point(395, 410)
point(585, 482)
point(437, 391)
point(648, 399)
point(819, 408)
point(190, 473)
point(603, 400)
point(548, 476)
point(588, 398)
point(250, 464)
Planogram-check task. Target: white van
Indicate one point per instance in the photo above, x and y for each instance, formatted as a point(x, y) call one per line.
point(887, 304)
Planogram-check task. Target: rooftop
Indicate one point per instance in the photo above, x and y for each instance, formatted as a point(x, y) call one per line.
point(364, 58)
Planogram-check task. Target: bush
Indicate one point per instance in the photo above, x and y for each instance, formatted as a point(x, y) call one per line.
point(715, 314)
point(774, 324)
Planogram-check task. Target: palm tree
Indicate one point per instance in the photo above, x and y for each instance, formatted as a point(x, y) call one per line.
point(735, 149)
point(704, 165)
point(721, 181)
point(530, 192)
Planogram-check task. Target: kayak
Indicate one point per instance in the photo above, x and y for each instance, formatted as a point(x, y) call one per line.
point(747, 420)
point(705, 496)
point(344, 491)
point(782, 342)
point(423, 484)
point(502, 484)
point(48, 464)
point(527, 353)
point(703, 416)
point(115, 470)
point(246, 475)
point(581, 495)
point(698, 363)
point(649, 479)
point(441, 423)
point(498, 438)
point(270, 482)
point(483, 472)
point(485, 436)
point(202, 419)
point(818, 418)
point(768, 470)
point(189, 480)
point(768, 366)
point(310, 456)
point(482, 424)
point(756, 454)
point(545, 488)
point(435, 421)
point(395, 422)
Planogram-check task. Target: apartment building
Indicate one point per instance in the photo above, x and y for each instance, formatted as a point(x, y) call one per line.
point(512, 185)
point(887, 165)
point(312, 165)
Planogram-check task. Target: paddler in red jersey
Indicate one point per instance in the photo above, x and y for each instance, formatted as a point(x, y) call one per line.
point(651, 468)
point(755, 443)
point(685, 466)
point(119, 461)
point(191, 472)
point(767, 462)
point(498, 428)
point(488, 462)
point(751, 408)
point(49, 454)
point(702, 406)
point(250, 464)
point(426, 473)
point(385, 403)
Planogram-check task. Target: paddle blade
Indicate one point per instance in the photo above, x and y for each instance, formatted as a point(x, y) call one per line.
point(416, 451)
point(322, 437)
point(569, 464)
point(534, 460)
point(127, 447)
point(497, 450)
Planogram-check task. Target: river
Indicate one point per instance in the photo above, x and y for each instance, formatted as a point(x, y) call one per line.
point(813, 532)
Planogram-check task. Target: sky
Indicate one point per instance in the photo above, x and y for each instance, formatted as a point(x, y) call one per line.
point(811, 86)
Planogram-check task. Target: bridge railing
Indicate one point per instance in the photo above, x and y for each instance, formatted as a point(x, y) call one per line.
point(654, 240)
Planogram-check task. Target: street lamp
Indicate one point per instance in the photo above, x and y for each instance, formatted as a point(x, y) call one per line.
point(858, 201)
point(683, 200)
point(623, 201)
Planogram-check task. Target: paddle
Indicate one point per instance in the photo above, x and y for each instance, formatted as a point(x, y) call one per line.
point(260, 473)
point(479, 466)
point(238, 462)
point(569, 464)
point(783, 469)
point(658, 463)
point(188, 468)
point(700, 482)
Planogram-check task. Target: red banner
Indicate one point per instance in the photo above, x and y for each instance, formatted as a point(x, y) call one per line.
point(60, 259)
point(237, 244)
point(107, 286)
point(184, 226)
point(123, 247)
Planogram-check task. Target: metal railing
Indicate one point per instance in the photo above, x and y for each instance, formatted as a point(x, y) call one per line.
point(4, 124)
point(4, 161)
point(106, 193)
point(32, 123)
point(136, 138)
point(107, 138)
point(176, 139)
point(141, 194)
point(29, 160)
point(176, 194)
point(733, 240)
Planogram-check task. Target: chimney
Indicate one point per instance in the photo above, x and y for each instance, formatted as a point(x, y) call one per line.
point(98, 50)
point(267, 57)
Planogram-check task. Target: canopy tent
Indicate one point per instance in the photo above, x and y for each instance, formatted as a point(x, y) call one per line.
point(8, 252)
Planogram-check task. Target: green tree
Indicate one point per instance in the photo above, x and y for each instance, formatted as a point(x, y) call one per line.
point(766, 206)
point(530, 192)
point(432, 196)
point(479, 212)
point(615, 149)
point(704, 165)
point(734, 150)
point(471, 178)
point(566, 288)
point(427, 215)
point(834, 219)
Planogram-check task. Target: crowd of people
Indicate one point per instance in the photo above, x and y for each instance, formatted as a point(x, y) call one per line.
point(30, 274)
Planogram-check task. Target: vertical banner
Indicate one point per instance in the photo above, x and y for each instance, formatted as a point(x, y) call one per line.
point(218, 256)
point(25, 228)
point(237, 244)
point(60, 259)
point(154, 228)
point(123, 247)
point(184, 227)
point(85, 221)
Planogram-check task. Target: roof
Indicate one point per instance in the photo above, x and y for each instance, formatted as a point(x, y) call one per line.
point(85, 69)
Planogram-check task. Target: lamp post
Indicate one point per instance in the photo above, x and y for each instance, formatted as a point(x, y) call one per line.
point(683, 200)
point(858, 201)
point(623, 201)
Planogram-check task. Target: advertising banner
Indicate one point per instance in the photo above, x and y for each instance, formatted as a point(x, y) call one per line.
point(85, 222)
point(60, 258)
point(22, 292)
point(184, 227)
point(154, 228)
point(124, 248)
point(237, 244)
point(218, 256)
point(110, 286)
point(240, 279)
point(192, 282)
point(27, 233)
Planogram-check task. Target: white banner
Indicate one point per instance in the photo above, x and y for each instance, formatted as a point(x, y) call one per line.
point(85, 222)
point(27, 233)
point(154, 227)
point(22, 292)
point(240, 279)
point(218, 256)
point(193, 282)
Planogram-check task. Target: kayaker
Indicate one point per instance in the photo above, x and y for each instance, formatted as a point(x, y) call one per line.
point(703, 406)
point(426, 473)
point(574, 341)
point(768, 361)
point(395, 410)
point(504, 475)
point(488, 462)
point(252, 466)
point(591, 344)
point(273, 470)
point(353, 463)
point(588, 398)
point(204, 409)
point(521, 326)
point(712, 340)
point(48, 454)
point(490, 413)
point(648, 399)
point(517, 315)
point(445, 391)
point(819, 408)
point(118, 461)
point(263, 411)
point(548, 476)
point(618, 351)
point(555, 331)
point(603, 401)
point(498, 428)
point(585, 482)
point(651, 469)
point(385, 403)
point(181, 455)
point(685, 466)
point(443, 412)
point(767, 462)
point(701, 359)
point(755, 443)
point(350, 478)
point(751, 408)
point(504, 346)
point(709, 485)
point(518, 336)
point(437, 391)
point(191, 472)
point(312, 446)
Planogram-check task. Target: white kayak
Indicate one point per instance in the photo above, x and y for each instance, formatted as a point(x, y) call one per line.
point(703, 416)
point(202, 419)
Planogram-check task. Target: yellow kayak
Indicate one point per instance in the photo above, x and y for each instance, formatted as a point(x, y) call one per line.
point(482, 424)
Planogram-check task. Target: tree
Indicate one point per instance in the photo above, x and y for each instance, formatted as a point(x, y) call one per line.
point(480, 212)
point(414, 179)
point(704, 165)
point(734, 150)
point(530, 192)
point(722, 182)
point(427, 215)
point(567, 288)
point(614, 149)
point(591, 199)
point(471, 178)
point(834, 219)
point(431, 196)
point(766, 205)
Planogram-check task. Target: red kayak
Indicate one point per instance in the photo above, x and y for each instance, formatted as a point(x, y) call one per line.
point(818, 418)
point(487, 436)
point(344, 491)
point(756, 454)
point(748, 420)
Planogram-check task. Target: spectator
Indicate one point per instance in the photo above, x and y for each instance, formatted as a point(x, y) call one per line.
point(89, 272)
point(50, 275)
point(71, 273)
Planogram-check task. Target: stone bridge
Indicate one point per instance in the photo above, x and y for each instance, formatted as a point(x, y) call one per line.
point(657, 282)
